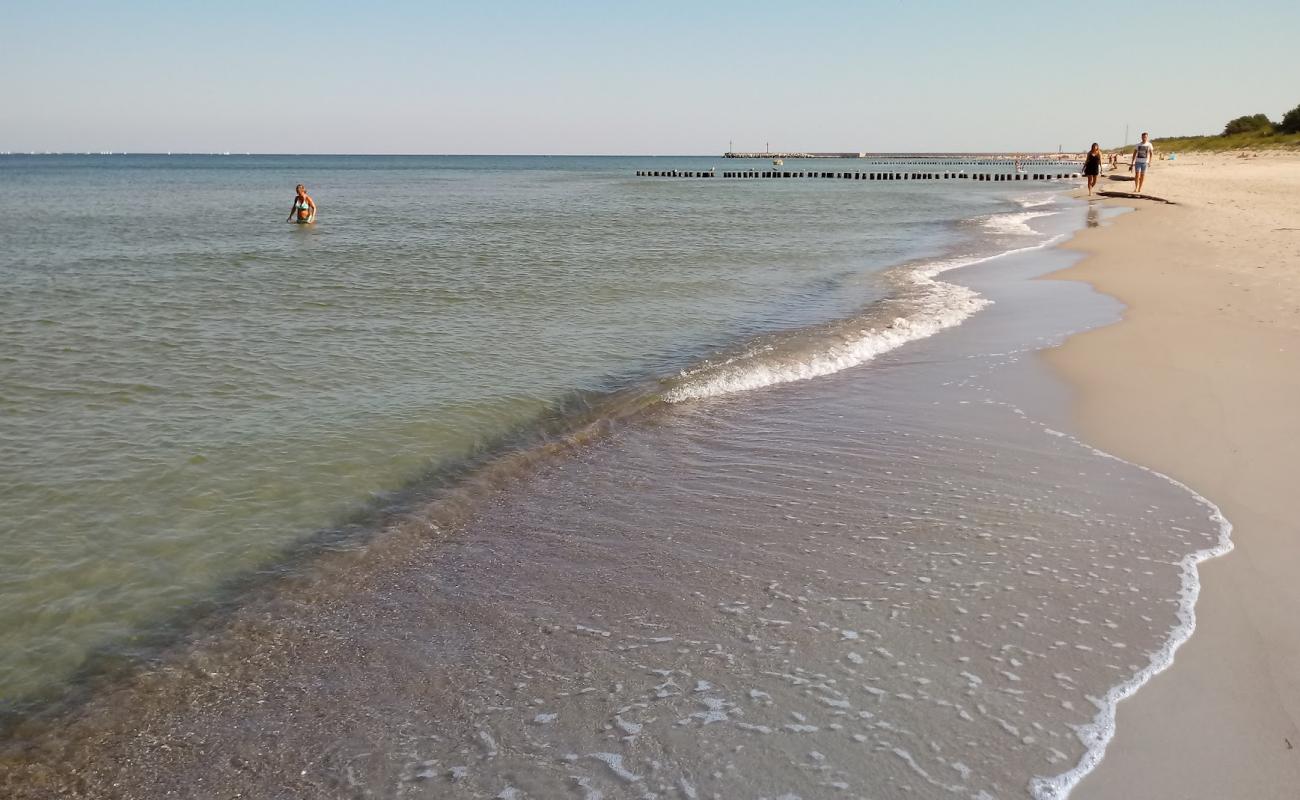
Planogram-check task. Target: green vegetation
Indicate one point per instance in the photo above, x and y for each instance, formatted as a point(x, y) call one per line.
point(1252, 132)
point(1256, 140)
point(1251, 124)
point(1290, 121)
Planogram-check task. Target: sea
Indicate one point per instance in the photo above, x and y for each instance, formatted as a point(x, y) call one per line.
point(528, 477)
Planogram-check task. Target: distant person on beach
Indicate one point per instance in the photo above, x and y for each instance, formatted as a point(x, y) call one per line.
point(1092, 166)
point(304, 208)
point(1142, 153)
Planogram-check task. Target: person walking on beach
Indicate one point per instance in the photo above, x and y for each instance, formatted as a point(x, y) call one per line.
point(1142, 153)
point(304, 208)
point(1092, 166)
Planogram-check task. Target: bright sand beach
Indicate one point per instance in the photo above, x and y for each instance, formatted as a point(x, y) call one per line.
point(1201, 381)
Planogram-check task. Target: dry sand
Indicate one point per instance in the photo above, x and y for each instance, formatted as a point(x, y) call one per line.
point(1202, 381)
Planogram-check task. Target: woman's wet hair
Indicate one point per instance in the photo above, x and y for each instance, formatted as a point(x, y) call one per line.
point(300, 188)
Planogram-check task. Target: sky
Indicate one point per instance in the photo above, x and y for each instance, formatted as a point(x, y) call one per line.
point(632, 77)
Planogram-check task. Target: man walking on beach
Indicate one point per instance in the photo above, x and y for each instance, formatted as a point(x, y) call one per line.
point(1142, 154)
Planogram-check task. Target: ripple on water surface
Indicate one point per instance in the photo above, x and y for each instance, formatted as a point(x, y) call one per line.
point(188, 386)
point(825, 590)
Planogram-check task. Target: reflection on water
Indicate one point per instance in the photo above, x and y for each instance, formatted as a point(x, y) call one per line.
point(1094, 216)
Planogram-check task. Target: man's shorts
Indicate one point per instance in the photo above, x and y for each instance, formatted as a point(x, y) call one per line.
point(1140, 165)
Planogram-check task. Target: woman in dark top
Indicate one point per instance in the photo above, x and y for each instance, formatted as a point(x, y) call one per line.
point(1092, 166)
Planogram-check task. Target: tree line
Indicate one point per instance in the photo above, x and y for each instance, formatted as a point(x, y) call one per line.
point(1260, 123)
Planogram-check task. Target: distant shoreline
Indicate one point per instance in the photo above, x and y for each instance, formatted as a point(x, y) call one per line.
point(1005, 154)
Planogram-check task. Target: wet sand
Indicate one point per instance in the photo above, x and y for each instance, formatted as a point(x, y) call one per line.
point(1201, 381)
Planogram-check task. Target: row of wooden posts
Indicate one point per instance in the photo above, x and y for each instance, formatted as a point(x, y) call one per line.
point(866, 176)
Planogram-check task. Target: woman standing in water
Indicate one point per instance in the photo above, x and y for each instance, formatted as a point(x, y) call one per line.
point(304, 208)
point(1092, 166)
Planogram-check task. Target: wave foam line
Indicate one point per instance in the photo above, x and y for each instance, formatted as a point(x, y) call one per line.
point(1096, 735)
point(944, 305)
point(1038, 199)
point(949, 305)
point(1016, 224)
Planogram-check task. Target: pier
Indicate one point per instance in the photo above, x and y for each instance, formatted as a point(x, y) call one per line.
point(730, 154)
point(859, 175)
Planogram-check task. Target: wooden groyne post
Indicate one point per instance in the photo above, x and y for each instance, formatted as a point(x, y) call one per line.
point(859, 175)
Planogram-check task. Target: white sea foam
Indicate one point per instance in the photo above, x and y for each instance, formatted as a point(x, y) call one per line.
point(1038, 199)
point(615, 763)
point(947, 305)
point(1096, 735)
point(940, 306)
point(1017, 223)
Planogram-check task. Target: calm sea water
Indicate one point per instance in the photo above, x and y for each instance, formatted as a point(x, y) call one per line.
point(595, 501)
point(188, 384)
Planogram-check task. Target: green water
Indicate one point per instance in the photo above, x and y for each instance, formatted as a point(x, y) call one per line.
point(188, 385)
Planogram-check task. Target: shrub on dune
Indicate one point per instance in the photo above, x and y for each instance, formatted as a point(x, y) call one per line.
point(1248, 124)
point(1290, 121)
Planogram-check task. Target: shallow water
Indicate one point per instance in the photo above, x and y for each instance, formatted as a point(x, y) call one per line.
point(188, 386)
point(889, 581)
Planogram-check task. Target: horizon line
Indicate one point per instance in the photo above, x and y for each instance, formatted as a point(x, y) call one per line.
point(867, 154)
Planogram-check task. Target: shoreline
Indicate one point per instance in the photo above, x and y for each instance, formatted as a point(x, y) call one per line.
point(216, 685)
point(1098, 733)
point(252, 683)
point(1198, 382)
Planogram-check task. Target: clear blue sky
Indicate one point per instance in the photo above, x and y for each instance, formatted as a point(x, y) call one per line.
point(633, 77)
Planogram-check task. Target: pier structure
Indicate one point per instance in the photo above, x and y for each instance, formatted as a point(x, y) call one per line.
point(859, 175)
point(793, 155)
point(983, 159)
